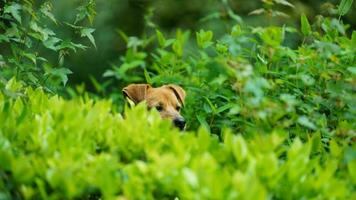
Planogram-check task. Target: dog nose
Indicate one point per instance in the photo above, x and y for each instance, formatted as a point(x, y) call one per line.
point(179, 122)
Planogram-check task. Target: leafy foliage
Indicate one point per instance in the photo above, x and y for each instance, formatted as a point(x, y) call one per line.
point(26, 32)
point(89, 151)
point(250, 79)
point(266, 119)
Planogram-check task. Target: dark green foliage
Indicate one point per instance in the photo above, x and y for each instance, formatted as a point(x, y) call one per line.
point(249, 80)
point(26, 31)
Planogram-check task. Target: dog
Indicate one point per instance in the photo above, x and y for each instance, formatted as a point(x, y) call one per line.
point(167, 100)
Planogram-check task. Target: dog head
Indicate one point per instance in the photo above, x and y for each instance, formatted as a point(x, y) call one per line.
point(167, 100)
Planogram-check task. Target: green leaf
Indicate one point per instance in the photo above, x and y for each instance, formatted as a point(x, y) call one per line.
point(236, 31)
point(177, 48)
point(335, 149)
point(305, 121)
point(178, 44)
point(257, 11)
point(234, 16)
point(190, 177)
point(160, 38)
point(46, 11)
point(352, 70)
point(52, 43)
point(32, 77)
point(13, 9)
point(240, 149)
point(344, 7)
point(147, 76)
point(45, 33)
point(305, 26)
point(235, 109)
point(31, 57)
point(4, 38)
point(224, 107)
point(353, 39)
point(204, 38)
point(351, 166)
point(87, 32)
point(211, 16)
point(98, 87)
point(87, 10)
point(203, 122)
point(123, 35)
point(5, 158)
point(284, 2)
point(70, 45)
point(211, 105)
point(61, 73)
point(273, 36)
point(307, 79)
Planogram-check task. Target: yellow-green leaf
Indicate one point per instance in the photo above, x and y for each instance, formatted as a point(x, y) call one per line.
point(305, 26)
point(344, 7)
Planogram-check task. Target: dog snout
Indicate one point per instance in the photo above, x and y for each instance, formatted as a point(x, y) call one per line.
point(179, 122)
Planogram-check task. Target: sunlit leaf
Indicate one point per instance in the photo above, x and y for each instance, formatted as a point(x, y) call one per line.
point(284, 2)
point(352, 70)
point(344, 7)
point(204, 38)
point(46, 9)
point(305, 26)
point(87, 32)
point(52, 43)
point(14, 10)
point(61, 73)
point(305, 121)
point(160, 38)
point(257, 11)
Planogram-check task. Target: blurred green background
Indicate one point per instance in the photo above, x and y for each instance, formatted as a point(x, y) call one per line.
point(139, 17)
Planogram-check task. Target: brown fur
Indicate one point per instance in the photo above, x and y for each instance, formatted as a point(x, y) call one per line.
point(167, 99)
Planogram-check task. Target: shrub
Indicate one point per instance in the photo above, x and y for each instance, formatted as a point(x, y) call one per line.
point(52, 148)
point(252, 79)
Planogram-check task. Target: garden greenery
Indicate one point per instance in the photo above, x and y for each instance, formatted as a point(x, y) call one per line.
point(52, 148)
point(267, 118)
point(251, 79)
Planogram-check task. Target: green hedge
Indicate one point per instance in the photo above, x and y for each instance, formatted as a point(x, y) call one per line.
point(51, 148)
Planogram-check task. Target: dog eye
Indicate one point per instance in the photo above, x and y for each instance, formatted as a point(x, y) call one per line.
point(159, 108)
point(178, 108)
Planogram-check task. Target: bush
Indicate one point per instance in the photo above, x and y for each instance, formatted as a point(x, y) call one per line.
point(251, 79)
point(52, 148)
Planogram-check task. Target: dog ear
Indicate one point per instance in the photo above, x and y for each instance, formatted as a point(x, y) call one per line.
point(178, 91)
point(136, 92)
